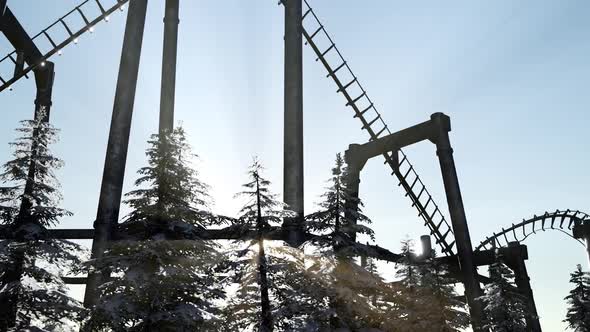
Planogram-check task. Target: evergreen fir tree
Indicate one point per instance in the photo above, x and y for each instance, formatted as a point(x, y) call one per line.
point(439, 308)
point(164, 273)
point(351, 289)
point(32, 292)
point(406, 289)
point(505, 307)
point(578, 300)
point(337, 220)
point(252, 307)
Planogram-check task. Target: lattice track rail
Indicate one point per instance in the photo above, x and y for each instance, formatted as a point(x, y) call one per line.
point(51, 40)
point(563, 221)
point(365, 110)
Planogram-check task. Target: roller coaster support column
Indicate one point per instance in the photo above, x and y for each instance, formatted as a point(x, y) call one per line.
point(458, 218)
point(293, 121)
point(44, 76)
point(515, 260)
point(118, 143)
point(426, 244)
point(582, 231)
point(169, 56)
point(44, 80)
point(354, 166)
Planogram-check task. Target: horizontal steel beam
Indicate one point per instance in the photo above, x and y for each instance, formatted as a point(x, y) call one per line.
point(428, 130)
point(74, 280)
point(228, 233)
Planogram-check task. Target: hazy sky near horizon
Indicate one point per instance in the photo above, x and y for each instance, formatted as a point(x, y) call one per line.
point(512, 76)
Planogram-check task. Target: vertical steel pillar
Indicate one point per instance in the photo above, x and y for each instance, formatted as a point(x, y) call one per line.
point(426, 244)
point(118, 143)
point(582, 231)
point(459, 220)
point(522, 279)
point(353, 181)
point(355, 162)
point(169, 56)
point(293, 121)
point(44, 77)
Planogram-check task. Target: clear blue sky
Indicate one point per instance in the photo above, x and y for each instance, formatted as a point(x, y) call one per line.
point(512, 76)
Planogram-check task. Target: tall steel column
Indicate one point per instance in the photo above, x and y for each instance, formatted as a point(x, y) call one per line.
point(522, 280)
point(169, 56)
point(116, 155)
point(459, 220)
point(293, 121)
point(44, 77)
point(353, 180)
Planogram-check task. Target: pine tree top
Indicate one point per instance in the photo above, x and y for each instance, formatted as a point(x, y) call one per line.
point(258, 194)
point(30, 194)
point(340, 217)
point(170, 199)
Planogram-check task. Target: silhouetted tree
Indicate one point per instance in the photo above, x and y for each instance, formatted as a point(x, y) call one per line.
point(32, 292)
point(165, 278)
point(407, 288)
point(351, 290)
point(504, 306)
point(252, 306)
point(340, 217)
point(439, 308)
point(578, 300)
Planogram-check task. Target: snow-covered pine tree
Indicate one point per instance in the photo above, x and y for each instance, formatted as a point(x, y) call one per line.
point(32, 292)
point(332, 225)
point(578, 300)
point(440, 310)
point(164, 273)
point(252, 307)
point(352, 290)
point(505, 307)
point(406, 287)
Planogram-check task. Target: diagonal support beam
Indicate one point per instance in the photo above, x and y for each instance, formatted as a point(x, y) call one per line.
point(116, 156)
point(18, 37)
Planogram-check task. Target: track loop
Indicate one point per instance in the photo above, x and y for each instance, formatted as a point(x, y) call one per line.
point(546, 221)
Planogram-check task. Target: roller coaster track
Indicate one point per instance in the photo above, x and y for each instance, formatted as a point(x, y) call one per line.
point(362, 105)
point(365, 110)
point(563, 221)
point(59, 34)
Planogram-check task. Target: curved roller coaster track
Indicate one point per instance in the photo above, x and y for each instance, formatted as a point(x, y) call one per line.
point(559, 220)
